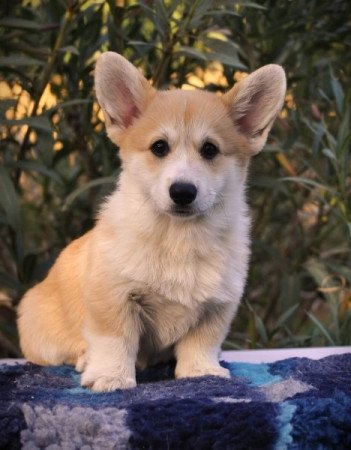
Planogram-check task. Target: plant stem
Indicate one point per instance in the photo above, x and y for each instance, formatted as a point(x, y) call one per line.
point(169, 46)
point(67, 19)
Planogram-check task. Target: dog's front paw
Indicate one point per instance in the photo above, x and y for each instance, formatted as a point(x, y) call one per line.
point(102, 382)
point(201, 371)
point(81, 363)
point(108, 384)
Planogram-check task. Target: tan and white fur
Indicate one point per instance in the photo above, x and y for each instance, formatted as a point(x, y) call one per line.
point(147, 281)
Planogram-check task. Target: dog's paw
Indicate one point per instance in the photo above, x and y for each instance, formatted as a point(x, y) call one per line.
point(201, 371)
point(100, 382)
point(81, 363)
point(108, 384)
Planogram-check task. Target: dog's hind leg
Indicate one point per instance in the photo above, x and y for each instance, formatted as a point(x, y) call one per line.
point(45, 336)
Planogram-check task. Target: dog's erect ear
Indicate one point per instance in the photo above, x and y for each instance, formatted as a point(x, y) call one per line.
point(255, 101)
point(121, 90)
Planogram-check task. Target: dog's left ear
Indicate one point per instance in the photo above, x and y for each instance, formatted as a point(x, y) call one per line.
point(122, 92)
point(255, 101)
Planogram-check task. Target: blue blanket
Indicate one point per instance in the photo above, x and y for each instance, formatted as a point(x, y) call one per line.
point(296, 403)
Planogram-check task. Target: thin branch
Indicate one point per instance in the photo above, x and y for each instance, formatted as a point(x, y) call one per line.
point(67, 19)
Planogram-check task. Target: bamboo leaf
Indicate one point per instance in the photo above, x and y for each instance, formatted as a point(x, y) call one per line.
point(329, 154)
point(318, 131)
point(198, 14)
point(69, 49)
point(10, 282)
point(14, 61)
point(224, 12)
point(247, 4)
point(72, 197)
point(261, 329)
point(320, 273)
point(286, 315)
point(41, 123)
point(20, 24)
point(344, 132)
point(141, 45)
point(37, 167)
point(232, 60)
point(3, 220)
point(322, 328)
point(338, 94)
point(6, 104)
point(308, 182)
point(9, 201)
point(224, 51)
point(193, 53)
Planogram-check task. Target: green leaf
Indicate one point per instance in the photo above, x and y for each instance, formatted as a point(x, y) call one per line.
point(10, 282)
point(41, 123)
point(308, 182)
point(322, 328)
point(9, 61)
point(20, 24)
point(82, 189)
point(319, 132)
point(193, 53)
point(342, 270)
point(28, 265)
point(293, 339)
point(320, 273)
point(338, 94)
point(219, 44)
point(232, 60)
point(161, 16)
point(142, 46)
point(198, 10)
point(158, 16)
point(261, 329)
point(5, 105)
point(224, 12)
point(227, 60)
point(69, 103)
point(286, 315)
point(69, 49)
point(224, 51)
point(344, 132)
point(250, 5)
point(3, 220)
point(9, 201)
point(36, 167)
point(329, 154)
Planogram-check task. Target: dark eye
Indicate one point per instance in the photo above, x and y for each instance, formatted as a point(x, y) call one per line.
point(209, 150)
point(160, 148)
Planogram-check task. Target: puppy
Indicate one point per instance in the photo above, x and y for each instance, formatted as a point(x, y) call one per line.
point(163, 270)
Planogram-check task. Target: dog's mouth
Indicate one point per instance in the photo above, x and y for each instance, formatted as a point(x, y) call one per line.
point(183, 211)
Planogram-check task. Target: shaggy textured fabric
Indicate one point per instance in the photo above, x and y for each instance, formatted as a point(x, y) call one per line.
point(296, 403)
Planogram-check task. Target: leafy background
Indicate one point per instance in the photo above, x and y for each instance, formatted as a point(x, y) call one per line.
point(56, 163)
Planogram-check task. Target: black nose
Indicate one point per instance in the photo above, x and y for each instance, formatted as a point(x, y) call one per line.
point(182, 193)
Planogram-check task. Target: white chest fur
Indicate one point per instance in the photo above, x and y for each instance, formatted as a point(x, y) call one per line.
point(187, 262)
point(174, 268)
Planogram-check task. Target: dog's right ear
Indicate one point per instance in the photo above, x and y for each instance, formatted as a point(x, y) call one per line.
point(121, 90)
point(255, 102)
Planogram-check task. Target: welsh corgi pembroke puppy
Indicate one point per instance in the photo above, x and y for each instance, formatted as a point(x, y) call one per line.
point(162, 272)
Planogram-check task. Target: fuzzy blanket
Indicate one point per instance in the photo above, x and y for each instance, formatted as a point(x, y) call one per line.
point(296, 403)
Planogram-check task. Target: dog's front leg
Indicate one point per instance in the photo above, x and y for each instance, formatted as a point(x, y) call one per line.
point(198, 351)
point(112, 345)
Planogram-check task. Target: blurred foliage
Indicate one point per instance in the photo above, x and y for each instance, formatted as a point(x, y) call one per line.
point(56, 162)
